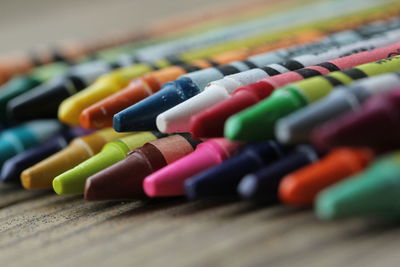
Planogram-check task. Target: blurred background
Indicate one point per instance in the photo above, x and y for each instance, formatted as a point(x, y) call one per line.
point(28, 23)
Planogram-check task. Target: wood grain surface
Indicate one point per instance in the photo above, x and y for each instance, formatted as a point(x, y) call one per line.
point(43, 229)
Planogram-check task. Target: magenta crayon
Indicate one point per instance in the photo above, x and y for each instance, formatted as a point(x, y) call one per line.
point(375, 125)
point(169, 181)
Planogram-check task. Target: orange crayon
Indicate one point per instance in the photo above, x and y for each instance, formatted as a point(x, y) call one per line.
point(301, 187)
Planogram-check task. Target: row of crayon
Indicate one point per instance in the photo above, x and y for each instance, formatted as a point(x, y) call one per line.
point(279, 106)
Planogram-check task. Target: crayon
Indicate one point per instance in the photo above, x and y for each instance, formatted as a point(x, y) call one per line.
point(374, 192)
point(18, 63)
point(41, 175)
point(14, 166)
point(142, 115)
point(44, 100)
point(209, 51)
point(73, 180)
point(262, 185)
point(300, 188)
point(297, 127)
point(177, 118)
point(249, 95)
point(169, 181)
point(80, 79)
point(375, 125)
point(124, 179)
point(257, 122)
point(23, 83)
point(111, 83)
point(21, 138)
point(100, 114)
point(176, 51)
point(222, 180)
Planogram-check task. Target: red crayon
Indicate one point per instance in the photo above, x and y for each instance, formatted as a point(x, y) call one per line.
point(210, 122)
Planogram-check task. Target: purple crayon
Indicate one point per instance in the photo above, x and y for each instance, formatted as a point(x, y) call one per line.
point(375, 125)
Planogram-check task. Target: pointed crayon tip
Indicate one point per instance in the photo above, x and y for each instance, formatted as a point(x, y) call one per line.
point(117, 123)
point(234, 128)
point(90, 191)
point(247, 188)
point(151, 187)
point(66, 184)
point(327, 208)
point(67, 112)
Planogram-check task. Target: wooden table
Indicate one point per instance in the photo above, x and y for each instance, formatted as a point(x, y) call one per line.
point(43, 229)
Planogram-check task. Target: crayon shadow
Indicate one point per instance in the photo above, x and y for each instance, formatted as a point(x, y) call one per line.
point(196, 207)
point(271, 210)
point(372, 227)
point(146, 206)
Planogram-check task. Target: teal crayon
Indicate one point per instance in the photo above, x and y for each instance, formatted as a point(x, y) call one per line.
point(24, 83)
point(19, 139)
point(375, 192)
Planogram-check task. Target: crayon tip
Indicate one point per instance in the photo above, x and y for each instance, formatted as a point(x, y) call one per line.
point(196, 189)
point(327, 208)
point(163, 123)
point(9, 172)
point(151, 187)
point(292, 192)
point(69, 111)
point(71, 182)
point(87, 121)
point(235, 128)
point(26, 180)
point(118, 123)
point(155, 187)
point(62, 185)
point(248, 186)
point(90, 191)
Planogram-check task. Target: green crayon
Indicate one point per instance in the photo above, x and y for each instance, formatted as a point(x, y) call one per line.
point(257, 122)
point(375, 192)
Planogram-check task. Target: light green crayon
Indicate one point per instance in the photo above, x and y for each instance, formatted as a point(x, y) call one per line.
point(73, 180)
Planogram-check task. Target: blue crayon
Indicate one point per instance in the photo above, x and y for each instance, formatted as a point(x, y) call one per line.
point(263, 185)
point(13, 167)
point(21, 138)
point(222, 180)
point(142, 116)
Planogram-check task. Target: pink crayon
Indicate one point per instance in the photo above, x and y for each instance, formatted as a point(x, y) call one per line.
point(169, 181)
point(210, 122)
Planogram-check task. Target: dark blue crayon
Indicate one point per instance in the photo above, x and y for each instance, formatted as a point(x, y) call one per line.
point(142, 116)
point(222, 180)
point(263, 185)
point(43, 101)
point(14, 166)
